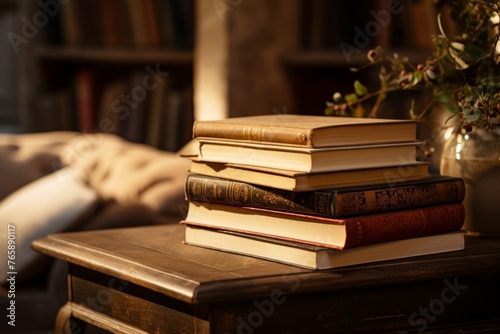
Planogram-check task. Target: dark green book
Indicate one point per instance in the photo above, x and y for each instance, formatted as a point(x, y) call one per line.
point(341, 202)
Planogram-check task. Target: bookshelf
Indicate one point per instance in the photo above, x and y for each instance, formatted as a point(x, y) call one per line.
point(8, 69)
point(95, 55)
point(123, 67)
point(336, 37)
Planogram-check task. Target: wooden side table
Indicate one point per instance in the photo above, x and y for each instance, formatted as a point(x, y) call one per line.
point(145, 280)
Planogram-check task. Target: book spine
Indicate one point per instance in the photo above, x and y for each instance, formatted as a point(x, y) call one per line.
point(199, 188)
point(268, 134)
point(329, 203)
point(406, 224)
point(85, 100)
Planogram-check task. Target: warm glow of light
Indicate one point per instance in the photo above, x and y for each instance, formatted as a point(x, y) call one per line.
point(210, 64)
point(448, 133)
point(209, 104)
point(495, 19)
point(458, 149)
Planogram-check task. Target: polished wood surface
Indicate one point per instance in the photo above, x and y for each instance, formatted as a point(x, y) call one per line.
point(212, 291)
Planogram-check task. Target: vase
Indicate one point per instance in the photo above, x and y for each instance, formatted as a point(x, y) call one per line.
point(475, 157)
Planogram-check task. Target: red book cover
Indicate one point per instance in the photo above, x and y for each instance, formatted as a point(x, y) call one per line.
point(85, 100)
point(329, 232)
point(116, 24)
point(397, 225)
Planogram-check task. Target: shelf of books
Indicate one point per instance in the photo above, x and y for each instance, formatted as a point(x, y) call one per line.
point(120, 67)
point(113, 56)
point(336, 36)
point(354, 209)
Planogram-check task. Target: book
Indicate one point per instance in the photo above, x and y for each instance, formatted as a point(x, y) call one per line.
point(338, 233)
point(313, 257)
point(138, 24)
point(317, 25)
point(47, 112)
point(152, 27)
point(109, 119)
point(72, 30)
point(172, 113)
point(90, 17)
point(338, 202)
point(423, 24)
point(183, 22)
point(308, 159)
point(87, 96)
point(156, 113)
point(135, 124)
point(165, 24)
point(302, 181)
point(65, 109)
point(115, 24)
point(307, 131)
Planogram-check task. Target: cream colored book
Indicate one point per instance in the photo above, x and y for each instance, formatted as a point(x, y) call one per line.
point(308, 159)
point(307, 131)
point(313, 257)
point(304, 181)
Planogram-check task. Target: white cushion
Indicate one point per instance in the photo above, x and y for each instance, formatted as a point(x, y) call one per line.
point(50, 204)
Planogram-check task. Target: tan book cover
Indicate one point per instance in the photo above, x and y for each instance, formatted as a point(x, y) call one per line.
point(308, 131)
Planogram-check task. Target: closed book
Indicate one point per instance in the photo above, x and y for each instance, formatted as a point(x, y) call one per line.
point(72, 27)
point(150, 19)
point(87, 97)
point(165, 24)
point(172, 112)
point(138, 24)
point(308, 159)
point(109, 120)
point(313, 257)
point(307, 131)
point(136, 122)
point(338, 233)
point(303, 181)
point(155, 114)
point(338, 202)
point(183, 21)
point(116, 24)
point(89, 14)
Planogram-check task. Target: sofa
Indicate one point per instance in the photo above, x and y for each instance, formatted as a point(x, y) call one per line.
point(68, 181)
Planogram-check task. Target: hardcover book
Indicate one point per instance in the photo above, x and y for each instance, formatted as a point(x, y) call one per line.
point(338, 202)
point(338, 233)
point(307, 159)
point(303, 181)
point(307, 131)
point(87, 95)
point(313, 257)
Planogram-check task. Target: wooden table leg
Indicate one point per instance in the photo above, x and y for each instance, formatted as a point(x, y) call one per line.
point(66, 324)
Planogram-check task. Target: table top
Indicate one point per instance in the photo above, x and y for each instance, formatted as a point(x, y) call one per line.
point(155, 257)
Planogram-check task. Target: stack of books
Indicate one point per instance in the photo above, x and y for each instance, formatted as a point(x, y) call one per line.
point(318, 192)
